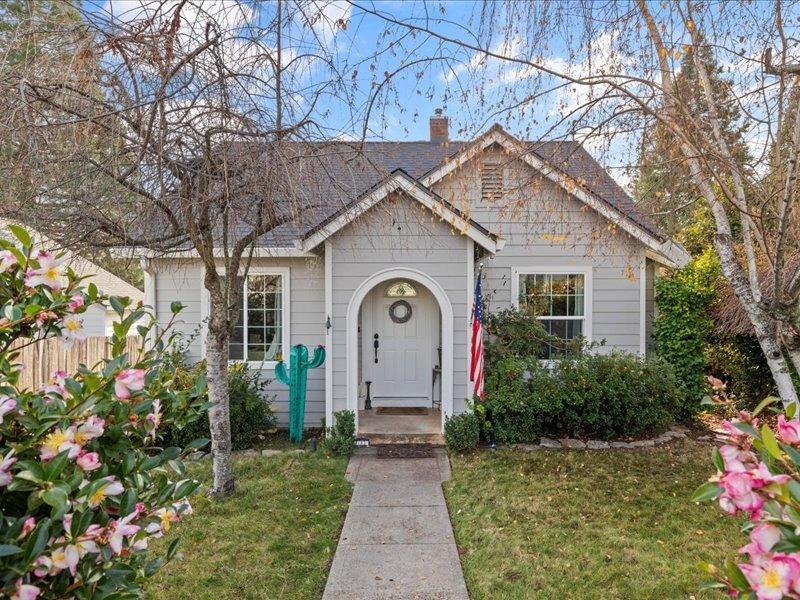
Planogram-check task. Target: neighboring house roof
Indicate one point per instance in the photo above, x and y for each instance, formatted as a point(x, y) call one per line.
point(106, 282)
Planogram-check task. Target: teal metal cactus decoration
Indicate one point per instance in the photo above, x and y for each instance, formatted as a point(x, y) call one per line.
point(296, 379)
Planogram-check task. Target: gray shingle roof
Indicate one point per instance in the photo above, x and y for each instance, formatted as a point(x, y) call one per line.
point(343, 171)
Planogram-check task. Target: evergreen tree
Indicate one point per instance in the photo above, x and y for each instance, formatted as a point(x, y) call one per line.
point(663, 189)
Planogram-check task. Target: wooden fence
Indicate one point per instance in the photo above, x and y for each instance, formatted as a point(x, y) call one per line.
point(45, 356)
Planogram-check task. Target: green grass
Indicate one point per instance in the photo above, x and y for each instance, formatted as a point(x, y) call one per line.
point(273, 538)
point(576, 524)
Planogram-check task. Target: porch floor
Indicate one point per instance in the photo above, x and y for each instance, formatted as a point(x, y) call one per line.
point(369, 422)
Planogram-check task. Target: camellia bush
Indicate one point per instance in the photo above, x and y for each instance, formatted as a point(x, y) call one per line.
point(84, 484)
point(758, 477)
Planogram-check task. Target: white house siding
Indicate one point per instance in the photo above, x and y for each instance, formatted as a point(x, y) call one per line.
point(399, 233)
point(544, 226)
point(182, 280)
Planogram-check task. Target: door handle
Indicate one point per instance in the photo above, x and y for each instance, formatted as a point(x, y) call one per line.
point(375, 345)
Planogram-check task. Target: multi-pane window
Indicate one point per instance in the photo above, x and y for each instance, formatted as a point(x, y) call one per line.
point(258, 335)
point(559, 300)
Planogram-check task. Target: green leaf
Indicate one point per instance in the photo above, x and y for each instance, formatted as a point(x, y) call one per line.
point(716, 457)
point(38, 541)
point(764, 404)
point(791, 410)
point(116, 305)
point(176, 307)
point(198, 443)
point(770, 443)
point(56, 497)
point(708, 491)
point(21, 235)
point(173, 546)
point(9, 549)
point(748, 429)
point(185, 488)
point(56, 466)
point(736, 576)
point(127, 502)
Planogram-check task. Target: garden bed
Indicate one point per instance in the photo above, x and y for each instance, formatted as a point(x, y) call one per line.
point(273, 538)
point(556, 524)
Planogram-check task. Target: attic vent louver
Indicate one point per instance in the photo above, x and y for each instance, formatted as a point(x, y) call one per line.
point(491, 181)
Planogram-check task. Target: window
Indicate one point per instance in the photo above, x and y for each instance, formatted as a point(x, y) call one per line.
point(560, 298)
point(260, 333)
point(401, 289)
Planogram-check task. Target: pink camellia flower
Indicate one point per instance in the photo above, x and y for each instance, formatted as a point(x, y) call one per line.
point(90, 429)
point(77, 301)
point(57, 385)
point(89, 461)
point(59, 441)
point(27, 527)
point(119, 530)
point(129, 380)
point(762, 538)
point(737, 437)
point(66, 557)
point(761, 477)
point(112, 487)
point(72, 329)
point(788, 431)
point(738, 494)
point(773, 578)
point(25, 591)
point(49, 272)
point(7, 260)
point(7, 404)
point(735, 459)
point(5, 468)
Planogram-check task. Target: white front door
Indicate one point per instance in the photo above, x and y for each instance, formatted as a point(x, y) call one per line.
point(401, 368)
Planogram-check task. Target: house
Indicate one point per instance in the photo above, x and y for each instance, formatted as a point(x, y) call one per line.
point(97, 320)
point(384, 275)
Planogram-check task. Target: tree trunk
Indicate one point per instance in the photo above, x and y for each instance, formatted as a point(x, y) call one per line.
point(219, 414)
point(763, 326)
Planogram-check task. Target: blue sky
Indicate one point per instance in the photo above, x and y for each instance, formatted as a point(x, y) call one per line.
point(470, 90)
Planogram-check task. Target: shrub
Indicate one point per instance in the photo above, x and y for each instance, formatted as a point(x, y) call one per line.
point(602, 396)
point(250, 408)
point(684, 323)
point(341, 438)
point(739, 361)
point(462, 432)
point(518, 333)
point(757, 475)
point(85, 481)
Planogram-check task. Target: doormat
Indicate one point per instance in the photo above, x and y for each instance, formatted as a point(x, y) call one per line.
point(401, 410)
point(404, 451)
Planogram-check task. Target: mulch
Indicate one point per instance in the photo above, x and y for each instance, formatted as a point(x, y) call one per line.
point(404, 451)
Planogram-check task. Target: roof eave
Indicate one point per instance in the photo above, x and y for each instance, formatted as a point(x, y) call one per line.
point(399, 180)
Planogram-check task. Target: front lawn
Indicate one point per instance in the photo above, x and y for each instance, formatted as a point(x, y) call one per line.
point(273, 538)
point(578, 524)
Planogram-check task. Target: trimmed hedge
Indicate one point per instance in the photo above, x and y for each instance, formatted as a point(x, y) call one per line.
point(597, 396)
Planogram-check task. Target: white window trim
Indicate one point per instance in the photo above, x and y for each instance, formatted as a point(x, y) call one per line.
point(559, 270)
point(284, 272)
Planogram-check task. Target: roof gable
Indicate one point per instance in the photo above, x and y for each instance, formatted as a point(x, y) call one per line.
point(613, 203)
point(400, 181)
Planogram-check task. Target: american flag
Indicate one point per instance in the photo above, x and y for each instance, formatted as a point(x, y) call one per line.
point(476, 346)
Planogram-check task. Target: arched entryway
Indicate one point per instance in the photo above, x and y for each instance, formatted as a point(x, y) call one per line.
point(412, 322)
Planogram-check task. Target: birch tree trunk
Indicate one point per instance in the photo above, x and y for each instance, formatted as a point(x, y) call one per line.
point(763, 326)
point(219, 414)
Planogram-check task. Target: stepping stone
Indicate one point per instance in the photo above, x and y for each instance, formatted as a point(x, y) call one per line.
point(397, 494)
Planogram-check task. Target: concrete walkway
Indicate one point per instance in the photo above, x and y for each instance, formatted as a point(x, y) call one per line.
point(397, 540)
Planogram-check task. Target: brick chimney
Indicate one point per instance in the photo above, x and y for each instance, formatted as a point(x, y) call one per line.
point(440, 125)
